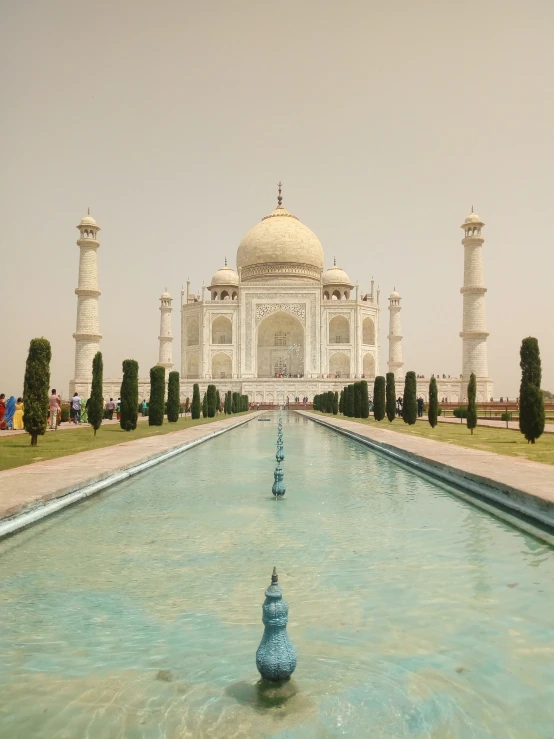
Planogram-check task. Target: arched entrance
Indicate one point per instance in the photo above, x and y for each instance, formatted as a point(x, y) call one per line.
point(280, 346)
point(339, 330)
point(222, 330)
point(222, 366)
point(369, 367)
point(192, 366)
point(339, 365)
point(368, 331)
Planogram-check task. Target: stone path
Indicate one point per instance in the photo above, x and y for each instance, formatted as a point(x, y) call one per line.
point(66, 426)
point(492, 423)
point(30, 486)
point(532, 478)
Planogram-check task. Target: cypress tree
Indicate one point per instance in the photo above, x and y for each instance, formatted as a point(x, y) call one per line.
point(217, 401)
point(173, 404)
point(195, 408)
point(531, 399)
point(365, 399)
point(349, 401)
point(129, 396)
point(35, 388)
point(345, 401)
point(433, 412)
point(341, 398)
point(379, 391)
point(211, 399)
point(229, 397)
point(157, 396)
point(236, 403)
point(390, 396)
point(205, 405)
point(96, 400)
point(316, 402)
point(357, 400)
point(409, 406)
point(335, 403)
point(471, 418)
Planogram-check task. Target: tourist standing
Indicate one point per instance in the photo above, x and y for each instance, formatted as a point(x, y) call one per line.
point(2, 409)
point(54, 405)
point(10, 410)
point(143, 407)
point(118, 408)
point(18, 415)
point(420, 405)
point(110, 407)
point(76, 408)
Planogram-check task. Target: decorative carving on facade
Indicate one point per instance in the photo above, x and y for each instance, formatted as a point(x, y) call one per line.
point(215, 315)
point(344, 314)
point(213, 352)
point(266, 309)
point(279, 268)
point(332, 352)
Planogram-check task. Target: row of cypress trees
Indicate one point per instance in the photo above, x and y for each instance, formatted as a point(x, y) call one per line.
point(211, 402)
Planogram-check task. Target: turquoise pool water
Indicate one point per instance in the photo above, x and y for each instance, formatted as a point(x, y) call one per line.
point(137, 614)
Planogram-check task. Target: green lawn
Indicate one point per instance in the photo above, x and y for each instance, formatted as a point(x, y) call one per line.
point(16, 451)
point(501, 441)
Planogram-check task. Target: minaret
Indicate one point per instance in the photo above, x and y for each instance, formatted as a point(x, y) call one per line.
point(87, 334)
point(165, 337)
point(395, 336)
point(474, 332)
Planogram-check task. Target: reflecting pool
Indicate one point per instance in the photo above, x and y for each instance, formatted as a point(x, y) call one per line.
point(137, 613)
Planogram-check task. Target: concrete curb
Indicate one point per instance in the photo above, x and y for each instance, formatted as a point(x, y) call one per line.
point(518, 507)
point(24, 520)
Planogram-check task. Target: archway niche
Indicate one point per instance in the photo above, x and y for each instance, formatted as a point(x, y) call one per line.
point(224, 295)
point(193, 332)
point(339, 364)
point(335, 295)
point(339, 330)
point(222, 330)
point(368, 331)
point(369, 366)
point(192, 366)
point(280, 345)
point(222, 366)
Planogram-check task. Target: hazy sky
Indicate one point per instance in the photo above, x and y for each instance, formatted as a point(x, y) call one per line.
point(174, 120)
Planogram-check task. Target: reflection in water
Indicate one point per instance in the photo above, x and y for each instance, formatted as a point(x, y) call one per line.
point(138, 612)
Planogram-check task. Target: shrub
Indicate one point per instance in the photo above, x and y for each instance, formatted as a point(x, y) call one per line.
point(379, 391)
point(129, 396)
point(157, 396)
point(195, 410)
point(364, 399)
point(211, 400)
point(236, 403)
point(96, 401)
point(409, 404)
point(506, 416)
point(173, 402)
point(460, 411)
point(531, 399)
point(390, 396)
point(35, 388)
point(433, 403)
point(471, 406)
point(65, 415)
point(357, 400)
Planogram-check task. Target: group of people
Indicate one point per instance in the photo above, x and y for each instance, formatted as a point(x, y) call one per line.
point(11, 413)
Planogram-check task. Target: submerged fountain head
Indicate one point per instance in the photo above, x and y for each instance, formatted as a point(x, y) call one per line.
point(279, 488)
point(275, 658)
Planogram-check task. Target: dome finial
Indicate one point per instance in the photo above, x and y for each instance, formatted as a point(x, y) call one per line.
point(472, 208)
point(88, 211)
point(225, 261)
point(279, 196)
point(274, 577)
point(334, 261)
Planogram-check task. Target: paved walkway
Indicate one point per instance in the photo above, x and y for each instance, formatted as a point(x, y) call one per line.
point(548, 427)
point(25, 488)
point(532, 478)
point(66, 426)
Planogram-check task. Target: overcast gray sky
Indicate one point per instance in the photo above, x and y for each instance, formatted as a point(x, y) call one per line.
point(174, 120)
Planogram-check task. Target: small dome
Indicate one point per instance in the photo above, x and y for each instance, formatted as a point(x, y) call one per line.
point(394, 294)
point(473, 218)
point(165, 294)
point(335, 276)
point(225, 276)
point(87, 220)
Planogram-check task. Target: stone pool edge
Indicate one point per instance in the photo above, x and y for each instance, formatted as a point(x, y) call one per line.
point(27, 517)
point(510, 503)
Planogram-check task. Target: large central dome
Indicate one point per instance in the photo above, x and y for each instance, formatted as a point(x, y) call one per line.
point(280, 246)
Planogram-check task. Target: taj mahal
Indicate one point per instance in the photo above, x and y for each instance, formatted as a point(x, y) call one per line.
point(282, 326)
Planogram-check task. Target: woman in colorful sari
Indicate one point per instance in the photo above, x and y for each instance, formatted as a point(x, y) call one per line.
point(84, 412)
point(10, 410)
point(2, 410)
point(18, 415)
